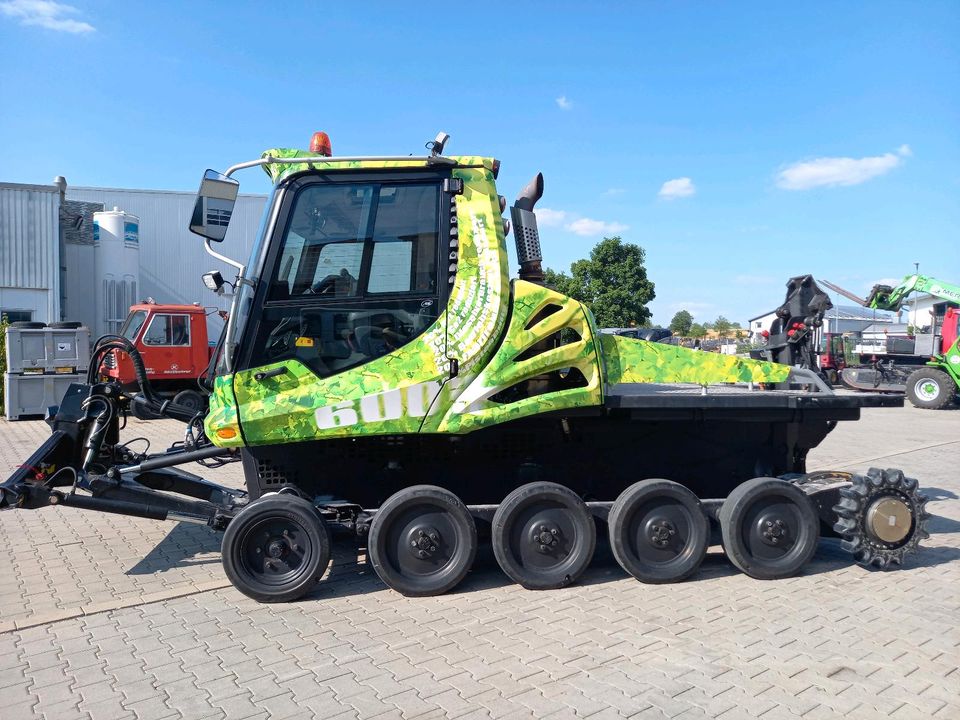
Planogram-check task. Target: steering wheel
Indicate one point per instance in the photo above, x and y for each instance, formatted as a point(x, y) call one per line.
point(282, 339)
point(330, 284)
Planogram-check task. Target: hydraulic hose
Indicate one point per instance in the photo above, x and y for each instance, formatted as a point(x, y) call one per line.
point(106, 344)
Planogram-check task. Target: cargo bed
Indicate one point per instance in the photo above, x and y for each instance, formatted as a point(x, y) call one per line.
point(673, 401)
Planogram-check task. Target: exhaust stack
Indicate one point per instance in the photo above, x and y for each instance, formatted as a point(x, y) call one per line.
point(525, 230)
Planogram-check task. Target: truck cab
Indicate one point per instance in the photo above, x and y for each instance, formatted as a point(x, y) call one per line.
point(173, 342)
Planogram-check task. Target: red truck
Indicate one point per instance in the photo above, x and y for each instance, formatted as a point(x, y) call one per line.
point(176, 351)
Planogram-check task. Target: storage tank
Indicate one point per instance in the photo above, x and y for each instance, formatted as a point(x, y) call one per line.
point(116, 241)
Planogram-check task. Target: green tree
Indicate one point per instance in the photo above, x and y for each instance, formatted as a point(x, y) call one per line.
point(612, 282)
point(722, 326)
point(559, 281)
point(697, 331)
point(680, 325)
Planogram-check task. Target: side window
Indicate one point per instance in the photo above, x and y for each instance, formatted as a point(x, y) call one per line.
point(390, 267)
point(338, 270)
point(355, 277)
point(171, 330)
point(17, 315)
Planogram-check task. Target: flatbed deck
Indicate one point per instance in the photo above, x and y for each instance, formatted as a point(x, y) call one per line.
point(684, 399)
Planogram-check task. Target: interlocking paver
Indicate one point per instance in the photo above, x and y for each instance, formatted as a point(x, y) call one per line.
point(837, 640)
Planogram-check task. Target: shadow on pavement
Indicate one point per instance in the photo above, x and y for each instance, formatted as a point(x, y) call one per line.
point(939, 525)
point(351, 575)
point(179, 549)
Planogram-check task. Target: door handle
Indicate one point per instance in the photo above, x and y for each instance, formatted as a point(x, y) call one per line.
point(261, 376)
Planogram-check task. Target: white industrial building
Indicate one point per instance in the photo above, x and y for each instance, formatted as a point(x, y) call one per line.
point(29, 252)
point(838, 320)
point(921, 309)
point(53, 268)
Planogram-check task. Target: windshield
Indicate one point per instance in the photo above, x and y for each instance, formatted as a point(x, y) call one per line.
point(132, 325)
point(243, 299)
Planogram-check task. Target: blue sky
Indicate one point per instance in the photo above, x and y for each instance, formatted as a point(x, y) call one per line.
point(738, 143)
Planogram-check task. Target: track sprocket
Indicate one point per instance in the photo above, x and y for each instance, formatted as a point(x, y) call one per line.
point(881, 517)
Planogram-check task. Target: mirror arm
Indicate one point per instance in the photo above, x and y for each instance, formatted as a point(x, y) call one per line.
point(222, 258)
point(228, 360)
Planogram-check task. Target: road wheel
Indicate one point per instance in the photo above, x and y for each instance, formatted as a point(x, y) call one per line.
point(658, 532)
point(28, 325)
point(881, 517)
point(66, 325)
point(422, 541)
point(769, 528)
point(543, 536)
point(190, 399)
point(276, 548)
point(930, 388)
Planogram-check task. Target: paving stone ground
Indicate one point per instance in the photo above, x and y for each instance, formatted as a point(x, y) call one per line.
point(103, 616)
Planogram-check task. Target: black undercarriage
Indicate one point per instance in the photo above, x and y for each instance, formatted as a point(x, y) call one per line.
point(596, 456)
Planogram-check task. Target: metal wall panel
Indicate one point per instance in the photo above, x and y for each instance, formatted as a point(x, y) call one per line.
point(79, 293)
point(30, 243)
point(172, 258)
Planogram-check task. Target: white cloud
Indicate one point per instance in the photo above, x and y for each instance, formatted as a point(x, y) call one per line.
point(839, 171)
point(583, 226)
point(694, 307)
point(46, 14)
point(550, 218)
point(563, 103)
point(587, 227)
point(678, 188)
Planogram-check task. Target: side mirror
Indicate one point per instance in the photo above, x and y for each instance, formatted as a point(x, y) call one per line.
point(214, 206)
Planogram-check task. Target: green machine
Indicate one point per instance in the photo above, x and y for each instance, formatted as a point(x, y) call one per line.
point(382, 374)
point(930, 375)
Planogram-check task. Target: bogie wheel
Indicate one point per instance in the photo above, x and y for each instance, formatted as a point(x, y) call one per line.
point(422, 541)
point(543, 536)
point(190, 399)
point(881, 517)
point(658, 532)
point(276, 548)
point(769, 528)
point(930, 388)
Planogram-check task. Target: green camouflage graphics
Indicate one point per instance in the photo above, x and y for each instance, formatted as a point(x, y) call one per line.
point(410, 389)
point(405, 390)
point(636, 361)
point(221, 424)
point(538, 314)
point(281, 171)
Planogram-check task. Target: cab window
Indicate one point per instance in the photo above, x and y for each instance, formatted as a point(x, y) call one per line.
point(355, 276)
point(132, 324)
point(171, 330)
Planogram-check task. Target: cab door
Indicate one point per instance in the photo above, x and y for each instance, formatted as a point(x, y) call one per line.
point(348, 334)
point(165, 346)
